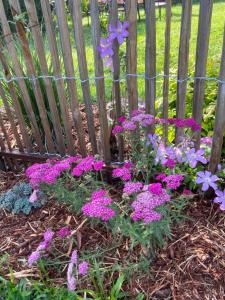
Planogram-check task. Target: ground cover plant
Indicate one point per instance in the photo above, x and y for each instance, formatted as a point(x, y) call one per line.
point(149, 194)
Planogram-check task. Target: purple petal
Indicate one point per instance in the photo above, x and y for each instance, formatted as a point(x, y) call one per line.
point(205, 186)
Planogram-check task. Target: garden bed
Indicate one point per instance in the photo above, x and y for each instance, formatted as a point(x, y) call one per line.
point(191, 266)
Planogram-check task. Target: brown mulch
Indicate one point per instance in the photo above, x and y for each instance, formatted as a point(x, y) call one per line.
point(191, 266)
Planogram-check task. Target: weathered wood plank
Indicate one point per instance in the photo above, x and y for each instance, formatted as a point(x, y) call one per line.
point(4, 132)
point(19, 73)
point(69, 69)
point(204, 26)
point(150, 57)
point(113, 20)
point(183, 60)
point(219, 126)
point(166, 68)
point(100, 84)
point(10, 118)
point(58, 73)
point(75, 6)
point(32, 73)
point(36, 33)
point(16, 104)
point(131, 16)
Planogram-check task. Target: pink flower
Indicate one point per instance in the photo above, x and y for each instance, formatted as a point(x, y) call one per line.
point(64, 232)
point(121, 119)
point(187, 192)
point(129, 125)
point(122, 173)
point(117, 129)
point(170, 163)
point(33, 197)
point(155, 188)
point(132, 187)
point(161, 176)
point(98, 165)
point(48, 235)
point(173, 181)
point(83, 268)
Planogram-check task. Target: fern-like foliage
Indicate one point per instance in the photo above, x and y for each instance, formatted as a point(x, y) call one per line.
point(17, 199)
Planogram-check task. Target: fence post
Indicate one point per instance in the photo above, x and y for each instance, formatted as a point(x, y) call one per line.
point(219, 127)
point(185, 34)
point(36, 32)
point(204, 25)
point(82, 63)
point(150, 57)
point(58, 73)
point(116, 74)
point(13, 94)
point(131, 14)
point(100, 84)
point(69, 69)
point(32, 74)
point(166, 68)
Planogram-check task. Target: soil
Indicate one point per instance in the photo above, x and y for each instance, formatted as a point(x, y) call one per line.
point(190, 266)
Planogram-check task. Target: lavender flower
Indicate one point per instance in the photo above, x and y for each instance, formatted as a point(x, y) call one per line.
point(105, 47)
point(220, 199)
point(83, 268)
point(119, 32)
point(194, 157)
point(34, 257)
point(207, 180)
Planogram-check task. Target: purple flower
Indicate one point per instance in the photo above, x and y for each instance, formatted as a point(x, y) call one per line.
point(33, 197)
point(117, 129)
point(129, 125)
point(207, 180)
point(98, 165)
point(194, 157)
point(105, 47)
point(220, 199)
point(155, 188)
point(173, 181)
point(73, 258)
point(83, 268)
point(48, 235)
point(34, 257)
point(132, 187)
point(64, 232)
point(119, 32)
point(153, 139)
point(123, 173)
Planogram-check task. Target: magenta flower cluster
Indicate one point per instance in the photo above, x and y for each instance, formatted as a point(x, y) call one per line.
point(48, 172)
point(87, 164)
point(123, 173)
point(74, 267)
point(119, 33)
point(132, 187)
point(98, 207)
point(173, 182)
point(145, 204)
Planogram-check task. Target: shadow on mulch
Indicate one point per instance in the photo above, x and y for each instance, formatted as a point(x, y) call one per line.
point(191, 266)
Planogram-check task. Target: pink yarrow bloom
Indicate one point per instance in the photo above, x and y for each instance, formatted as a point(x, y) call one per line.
point(123, 173)
point(83, 268)
point(117, 129)
point(173, 181)
point(132, 187)
point(64, 232)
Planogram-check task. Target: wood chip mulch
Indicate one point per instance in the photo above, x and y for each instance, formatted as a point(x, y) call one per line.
point(191, 266)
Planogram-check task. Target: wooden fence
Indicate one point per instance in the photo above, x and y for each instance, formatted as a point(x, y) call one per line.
point(55, 134)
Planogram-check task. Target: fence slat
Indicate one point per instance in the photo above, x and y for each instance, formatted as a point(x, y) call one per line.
point(69, 69)
point(185, 34)
point(204, 26)
point(131, 15)
point(32, 73)
point(166, 68)
point(58, 73)
point(11, 118)
point(17, 107)
point(5, 133)
point(36, 32)
point(100, 84)
point(19, 73)
point(150, 57)
point(116, 74)
point(219, 126)
point(82, 62)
